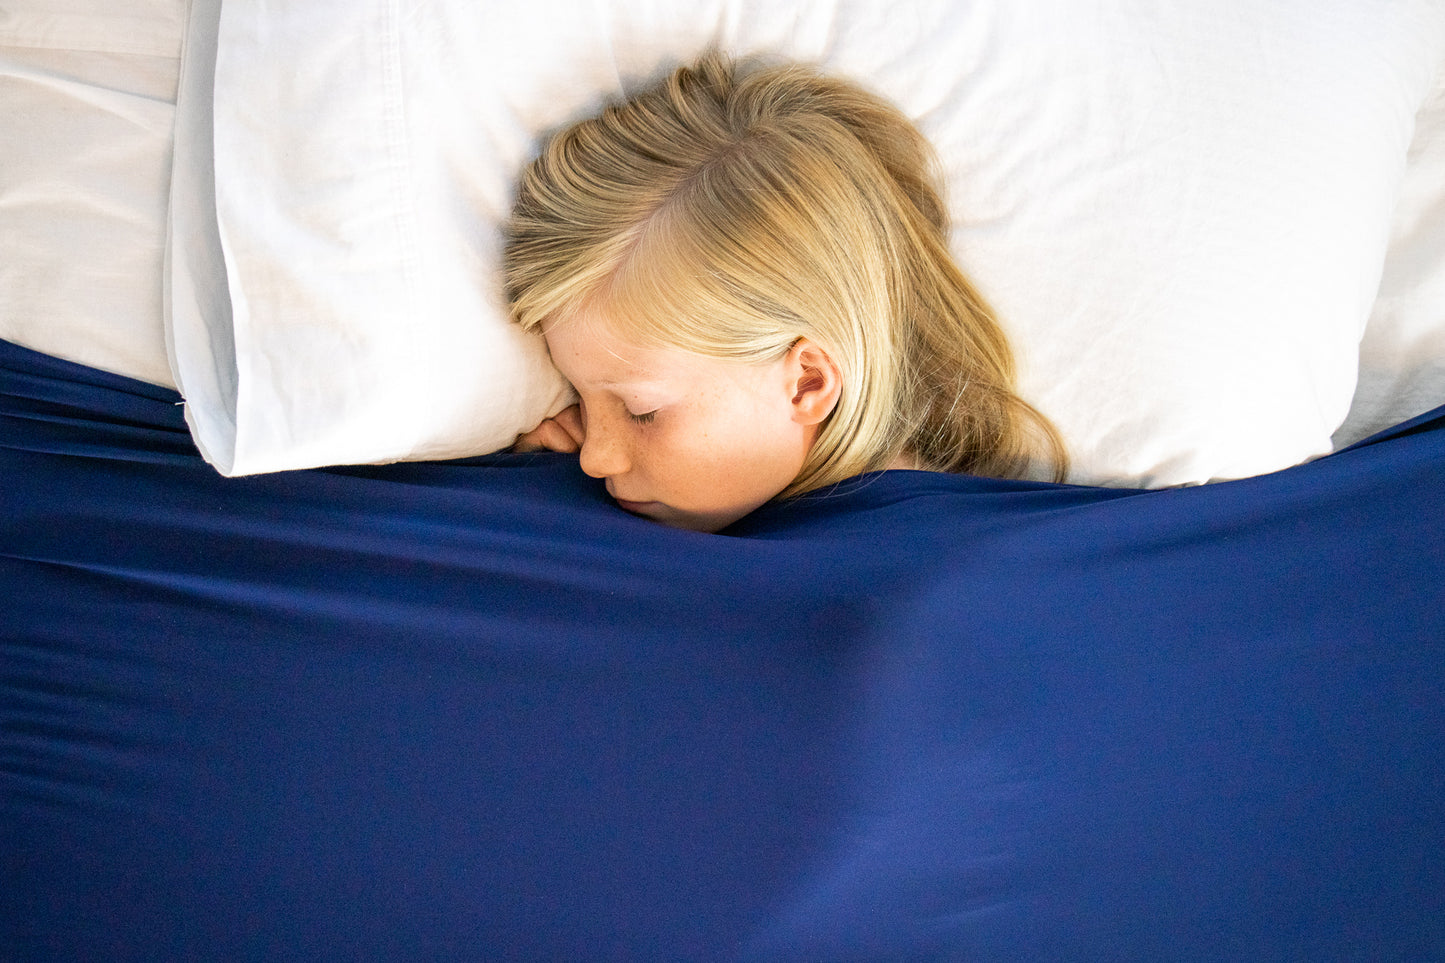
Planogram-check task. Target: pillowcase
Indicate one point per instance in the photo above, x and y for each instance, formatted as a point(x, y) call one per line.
point(1180, 210)
point(333, 287)
point(1402, 355)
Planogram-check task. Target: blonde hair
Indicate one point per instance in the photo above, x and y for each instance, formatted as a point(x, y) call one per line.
point(731, 213)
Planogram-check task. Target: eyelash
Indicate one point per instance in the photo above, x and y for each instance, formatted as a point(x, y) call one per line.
point(644, 418)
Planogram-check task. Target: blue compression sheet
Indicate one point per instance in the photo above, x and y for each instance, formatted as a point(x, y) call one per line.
point(473, 711)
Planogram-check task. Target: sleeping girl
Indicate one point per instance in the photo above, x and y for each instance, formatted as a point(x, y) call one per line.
point(745, 276)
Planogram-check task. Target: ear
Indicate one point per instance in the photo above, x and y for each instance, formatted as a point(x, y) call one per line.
point(815, 382)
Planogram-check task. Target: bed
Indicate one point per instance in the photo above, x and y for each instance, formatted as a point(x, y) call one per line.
point(298, 662)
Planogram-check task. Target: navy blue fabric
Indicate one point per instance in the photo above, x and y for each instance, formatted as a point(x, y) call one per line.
point(473, 711)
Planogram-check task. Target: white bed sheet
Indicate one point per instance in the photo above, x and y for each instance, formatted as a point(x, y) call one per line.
point(87, 94)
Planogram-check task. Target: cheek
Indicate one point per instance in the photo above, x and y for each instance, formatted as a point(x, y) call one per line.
point(686, 461)
point(722, 462)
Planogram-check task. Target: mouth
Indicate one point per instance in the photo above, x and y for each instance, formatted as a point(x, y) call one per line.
point(663, 514)
point(627, 504)
point(636, 508)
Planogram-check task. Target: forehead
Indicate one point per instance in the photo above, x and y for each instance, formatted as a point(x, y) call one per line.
point(587, 348)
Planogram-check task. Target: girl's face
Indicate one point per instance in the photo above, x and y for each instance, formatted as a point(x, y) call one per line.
point(680, 438)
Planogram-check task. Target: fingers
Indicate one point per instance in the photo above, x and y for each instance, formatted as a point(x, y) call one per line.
point(570, 418)
point(563, 433)
point(548, 436)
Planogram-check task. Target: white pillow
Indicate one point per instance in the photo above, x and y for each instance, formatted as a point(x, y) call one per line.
point(333, 288)
point(1180, 210)
point(87, 89)
point(1402, 355)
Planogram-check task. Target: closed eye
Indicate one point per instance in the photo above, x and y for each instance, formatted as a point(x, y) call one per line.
point(643, 418)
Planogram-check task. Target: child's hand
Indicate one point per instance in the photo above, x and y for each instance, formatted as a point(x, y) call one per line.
point(562, 432)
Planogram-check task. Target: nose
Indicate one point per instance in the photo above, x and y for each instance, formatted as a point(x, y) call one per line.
point(603, 455)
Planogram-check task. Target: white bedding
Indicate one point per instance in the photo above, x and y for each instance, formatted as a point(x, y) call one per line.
point(1183, 215)
point(87, 94)
point(1402, 354)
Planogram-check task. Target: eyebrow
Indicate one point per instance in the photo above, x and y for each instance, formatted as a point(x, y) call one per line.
point(629, 384)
